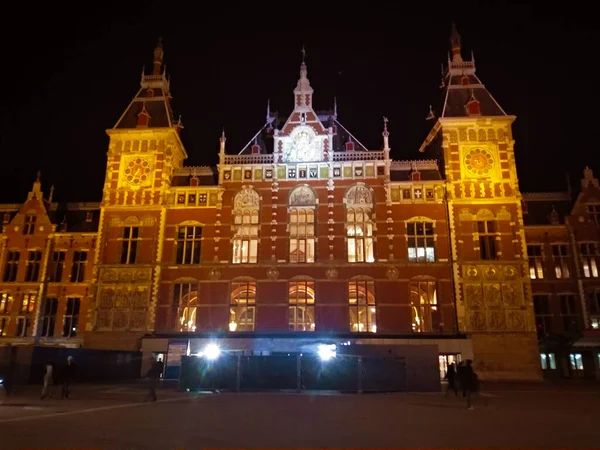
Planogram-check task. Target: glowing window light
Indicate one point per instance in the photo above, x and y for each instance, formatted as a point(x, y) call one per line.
point(326, 351)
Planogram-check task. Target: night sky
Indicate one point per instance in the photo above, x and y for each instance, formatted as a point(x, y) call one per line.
point(71, 69)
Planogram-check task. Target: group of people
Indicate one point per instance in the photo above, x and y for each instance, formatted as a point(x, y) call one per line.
point(462, 378)
point(66, 376)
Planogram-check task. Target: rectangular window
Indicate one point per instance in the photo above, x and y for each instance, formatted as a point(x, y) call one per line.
point(593, 211)
point(589, 259)
point(301, 312)
point(576, 361)
point(420, 242)
point(28, 303)
point(57, 266)
point(129, 245)
point(3, 325)
point(543, 316)
point(359, 233)
point(594, 301)
point(71, 319)
point(536, 267)
point(29, 225)
point(548, 361)
point(242, 312)
point(49, 309)
point(32, 265)
point(78, 267)
point(6, 301)
point(23, 324)
point(424, 306)
point(487, 239)
point(302, 235)
point(363, 307)
point(245, 239)
point(560, 256)
point(568, 311)
point(189, 240)
point(12, 265)
point(186, 305)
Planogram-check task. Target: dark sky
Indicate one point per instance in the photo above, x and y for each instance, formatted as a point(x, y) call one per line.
point(71, 69)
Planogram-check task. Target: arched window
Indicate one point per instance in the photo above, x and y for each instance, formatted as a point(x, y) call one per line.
point(301, 297)
point(242, 306)
point(245, 224)
point(302, 225)
point(363, 309)
point(424, 306)
point(185, 300)
point(359, 224)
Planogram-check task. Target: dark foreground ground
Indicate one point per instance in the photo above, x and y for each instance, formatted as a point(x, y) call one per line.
point(115, 417)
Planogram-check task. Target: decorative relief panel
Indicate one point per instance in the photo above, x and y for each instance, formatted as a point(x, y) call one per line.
point(493, 299)
point(123, 299)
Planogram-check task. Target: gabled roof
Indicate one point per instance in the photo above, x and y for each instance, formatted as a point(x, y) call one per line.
point(462, 85)
point(540, 208)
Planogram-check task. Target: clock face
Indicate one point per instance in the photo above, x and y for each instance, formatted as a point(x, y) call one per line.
point(303, 148)
point(479, 162)
point(137, 171)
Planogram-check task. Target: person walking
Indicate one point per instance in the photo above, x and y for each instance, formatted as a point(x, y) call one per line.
point(68, 375)
point(469, 382)
point(153, 376)
point(48, 380)
point(451, 378)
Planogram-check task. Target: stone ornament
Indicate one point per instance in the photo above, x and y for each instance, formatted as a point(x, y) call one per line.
point(272, 273)
point(392, 273)
point(214, 274)
point(331, 273)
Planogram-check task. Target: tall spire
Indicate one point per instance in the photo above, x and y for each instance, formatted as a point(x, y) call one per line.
point(158, 57)
point(386, 135)
point(303, 91)
point(455, 44)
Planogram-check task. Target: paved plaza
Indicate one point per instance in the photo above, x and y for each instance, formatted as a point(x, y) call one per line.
point(115, 417)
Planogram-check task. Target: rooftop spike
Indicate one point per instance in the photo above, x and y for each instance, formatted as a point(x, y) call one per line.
point(158, 57)
point(455, 44)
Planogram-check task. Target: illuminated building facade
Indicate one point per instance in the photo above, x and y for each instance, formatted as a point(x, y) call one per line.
point(303, 234)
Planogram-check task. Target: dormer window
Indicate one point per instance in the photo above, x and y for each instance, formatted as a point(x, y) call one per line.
point(473, 108)
point(89, 216)
point(415, 176)
point(349, 146)
point(29, 226)
point(465, 80)
point(6, 218)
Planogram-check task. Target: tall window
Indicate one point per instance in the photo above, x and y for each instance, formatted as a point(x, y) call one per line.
point(593, 211)
point(242, 312)
point(589, 259)
point(424, 306)
point(301, 298)
point(186, 302)
point(28, 303)
point(359, 224)
point(548, 361)
point(23, 324)
point(12, 265)
point(129, 245)
point(560, 256)
point(189, 240)
point(6, 301)
point(32, 265)
point(71, 320)
point(245, 225)
point(29, 225)
point(78, 267)
point(302, 225)
point(362, 306)
point(49, 309)
point(57, 265)
point(420, 242)
point(543, 316)
point(3, 326)
point(568, 311)
point(487, 239)
point(593, 302)
point(536, 267)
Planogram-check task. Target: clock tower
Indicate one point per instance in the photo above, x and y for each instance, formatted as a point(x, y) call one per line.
point(144, 151)
point(473, 135)
point(303, 138)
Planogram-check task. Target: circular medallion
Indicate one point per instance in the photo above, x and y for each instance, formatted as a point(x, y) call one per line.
point(479, 162)
point(137, 171)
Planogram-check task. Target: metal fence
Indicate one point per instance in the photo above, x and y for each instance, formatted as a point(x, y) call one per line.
point(293, 372)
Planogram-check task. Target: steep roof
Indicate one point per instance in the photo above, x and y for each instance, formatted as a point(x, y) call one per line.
point(546, 208)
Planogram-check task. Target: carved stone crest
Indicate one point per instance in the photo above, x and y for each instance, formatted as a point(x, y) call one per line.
point(331, 273)
point(214, 274)
point(392, 273)
point(246, 198)
point(359, 195)
point(272, 273)
point(302, 196)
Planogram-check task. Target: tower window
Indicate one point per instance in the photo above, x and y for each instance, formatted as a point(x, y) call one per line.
point(487, 239)
point(29, 226)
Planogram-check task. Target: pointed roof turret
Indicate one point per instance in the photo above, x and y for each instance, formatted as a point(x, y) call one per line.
point(303, 92)
point(455, 44)
point(153, 100)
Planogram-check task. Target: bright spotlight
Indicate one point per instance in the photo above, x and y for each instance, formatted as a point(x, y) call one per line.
point(212, 351)
point(326, 351)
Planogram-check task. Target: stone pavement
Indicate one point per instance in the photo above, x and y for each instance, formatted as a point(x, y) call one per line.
point(115, 417)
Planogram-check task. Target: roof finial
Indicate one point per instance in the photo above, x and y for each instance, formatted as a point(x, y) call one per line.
point(335, 107)
point(51, 194)
point(431, 114)
point(386, 136)
point(455, 44)
point(268, 110)
point(39, 176)
point(158, 57)
point(303, 54)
